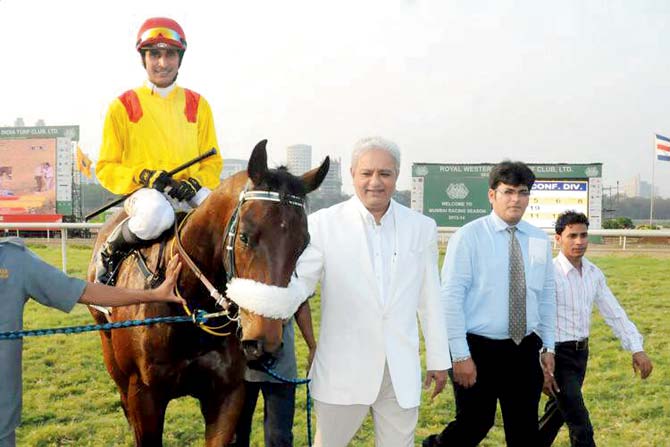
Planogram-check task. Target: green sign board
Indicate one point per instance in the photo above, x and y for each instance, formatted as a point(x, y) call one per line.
point(455, 194)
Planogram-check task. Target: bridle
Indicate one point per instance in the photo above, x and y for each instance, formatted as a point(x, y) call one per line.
point(234, 222)
point(231, 232)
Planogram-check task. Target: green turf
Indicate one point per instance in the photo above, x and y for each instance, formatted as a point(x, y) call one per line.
point(69, 399)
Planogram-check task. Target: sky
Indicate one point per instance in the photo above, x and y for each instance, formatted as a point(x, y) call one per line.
point(449, 81)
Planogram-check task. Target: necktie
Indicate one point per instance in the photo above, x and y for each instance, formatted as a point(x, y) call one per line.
point(517, 289)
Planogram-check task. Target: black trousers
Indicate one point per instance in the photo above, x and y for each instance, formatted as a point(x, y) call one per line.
point(568, 406)
point(278, 411)
point(507, 373)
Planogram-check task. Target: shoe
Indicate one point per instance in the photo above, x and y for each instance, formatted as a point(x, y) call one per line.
point(431, 441)
point(106, 264)
point(117, 246)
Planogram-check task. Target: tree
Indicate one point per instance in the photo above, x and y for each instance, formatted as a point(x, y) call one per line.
point(18, 122)
point(40, 123)
point(618, 223)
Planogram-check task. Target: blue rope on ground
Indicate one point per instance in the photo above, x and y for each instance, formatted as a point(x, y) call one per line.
point(198, 317)
point(308, 405)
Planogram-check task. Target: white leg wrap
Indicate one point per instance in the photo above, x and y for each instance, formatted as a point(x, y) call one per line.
point(262, 299)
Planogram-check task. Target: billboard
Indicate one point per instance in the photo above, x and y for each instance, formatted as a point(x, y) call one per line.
point(36, 172)
point(455, 194)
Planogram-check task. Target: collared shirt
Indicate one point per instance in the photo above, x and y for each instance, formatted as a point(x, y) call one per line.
point(24, 275)
point(163, 91)
point(575, 295)
point(381, 245)
point(475, 282)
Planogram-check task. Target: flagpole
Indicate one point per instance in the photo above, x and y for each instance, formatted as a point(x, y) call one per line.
point(651, 202)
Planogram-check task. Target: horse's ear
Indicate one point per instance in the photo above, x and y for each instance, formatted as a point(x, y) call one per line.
point(258, 163)
point(312, 179)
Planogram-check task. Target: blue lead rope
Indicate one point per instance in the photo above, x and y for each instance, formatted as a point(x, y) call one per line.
point(199, 317)
point(308, 405)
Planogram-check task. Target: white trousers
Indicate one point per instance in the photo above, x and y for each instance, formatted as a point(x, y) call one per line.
point(336, 425)
point(151, 212)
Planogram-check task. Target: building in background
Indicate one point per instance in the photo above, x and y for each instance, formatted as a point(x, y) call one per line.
point(332, 184)
point(232, 166)
point(299, 158)
point(635, 187)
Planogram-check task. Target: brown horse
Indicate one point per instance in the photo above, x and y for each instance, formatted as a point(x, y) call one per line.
point(255, 222)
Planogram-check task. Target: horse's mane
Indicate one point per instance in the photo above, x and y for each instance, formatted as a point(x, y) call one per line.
point(282, 181)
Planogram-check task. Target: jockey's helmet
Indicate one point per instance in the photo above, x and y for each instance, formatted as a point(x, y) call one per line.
point(160, 32)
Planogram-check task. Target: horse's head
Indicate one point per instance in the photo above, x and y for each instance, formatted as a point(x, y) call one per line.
point(263, 244)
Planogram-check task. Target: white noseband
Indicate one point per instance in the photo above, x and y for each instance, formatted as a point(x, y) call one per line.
point(262, 299)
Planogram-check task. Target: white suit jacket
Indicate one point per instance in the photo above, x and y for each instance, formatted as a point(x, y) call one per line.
point(359, 332)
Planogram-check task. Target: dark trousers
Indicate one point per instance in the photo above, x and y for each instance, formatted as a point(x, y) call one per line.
point(568, 406)
point(507, 373)
point(278, 413)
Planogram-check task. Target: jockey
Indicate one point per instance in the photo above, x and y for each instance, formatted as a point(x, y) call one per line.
point(148, 131)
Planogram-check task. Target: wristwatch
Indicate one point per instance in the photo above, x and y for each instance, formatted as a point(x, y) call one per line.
point(544, 350)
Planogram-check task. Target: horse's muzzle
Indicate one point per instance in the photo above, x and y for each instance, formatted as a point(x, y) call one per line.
point(255, 350)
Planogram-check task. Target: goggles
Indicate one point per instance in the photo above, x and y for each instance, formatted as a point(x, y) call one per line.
point(161, 34)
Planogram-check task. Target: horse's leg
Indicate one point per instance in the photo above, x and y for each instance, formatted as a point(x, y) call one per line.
point(146, 413)
point(221, 412)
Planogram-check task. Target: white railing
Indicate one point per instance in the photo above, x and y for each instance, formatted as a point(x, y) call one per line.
point(444, 233)
point(18, 226)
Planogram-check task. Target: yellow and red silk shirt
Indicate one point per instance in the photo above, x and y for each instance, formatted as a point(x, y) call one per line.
point(143, 130)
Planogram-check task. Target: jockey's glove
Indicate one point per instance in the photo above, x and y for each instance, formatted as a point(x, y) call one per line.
point(157, 180)
point(185, 189)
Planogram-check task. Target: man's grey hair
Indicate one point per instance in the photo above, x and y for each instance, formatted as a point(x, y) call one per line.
point(365, 144)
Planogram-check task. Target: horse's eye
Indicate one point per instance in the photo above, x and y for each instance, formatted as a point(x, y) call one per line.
point(244, 238)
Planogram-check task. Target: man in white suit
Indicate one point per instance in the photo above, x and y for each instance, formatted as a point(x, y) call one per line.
point(377, 263)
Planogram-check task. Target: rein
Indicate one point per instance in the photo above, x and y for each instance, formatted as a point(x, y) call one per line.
point(231, 231)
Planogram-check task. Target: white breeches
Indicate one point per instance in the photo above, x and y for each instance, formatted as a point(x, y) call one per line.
point(151, 212)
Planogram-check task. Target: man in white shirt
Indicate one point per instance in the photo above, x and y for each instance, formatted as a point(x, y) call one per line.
point(580, 284)
point(377, 264)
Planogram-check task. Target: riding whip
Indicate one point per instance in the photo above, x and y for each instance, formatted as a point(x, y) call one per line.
point(179, 168)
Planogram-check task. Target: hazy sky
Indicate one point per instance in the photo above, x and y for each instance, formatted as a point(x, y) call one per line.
point(449, 81)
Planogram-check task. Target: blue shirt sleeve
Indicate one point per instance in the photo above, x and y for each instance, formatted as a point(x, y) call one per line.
point(457, 271)
point(48, 285)
point(546, 306)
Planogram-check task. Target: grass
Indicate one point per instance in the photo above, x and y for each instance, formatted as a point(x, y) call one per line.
point(69, 399)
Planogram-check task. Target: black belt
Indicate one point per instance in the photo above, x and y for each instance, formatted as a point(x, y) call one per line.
point(577, 345)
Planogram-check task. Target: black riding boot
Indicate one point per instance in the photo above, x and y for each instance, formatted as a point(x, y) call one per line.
point(112, 252)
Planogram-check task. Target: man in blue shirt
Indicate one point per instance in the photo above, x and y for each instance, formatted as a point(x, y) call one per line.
point(498, 284)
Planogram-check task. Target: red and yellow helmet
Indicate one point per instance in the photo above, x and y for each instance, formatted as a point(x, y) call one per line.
point(160, 32)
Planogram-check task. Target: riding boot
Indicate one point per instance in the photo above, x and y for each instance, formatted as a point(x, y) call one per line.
point(113, 251)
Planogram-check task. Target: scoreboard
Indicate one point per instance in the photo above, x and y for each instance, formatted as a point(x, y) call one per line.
point(549, 198)
point(455, 194)
point(36, 173)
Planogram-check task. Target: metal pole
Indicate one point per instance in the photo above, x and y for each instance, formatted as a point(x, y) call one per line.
point(653, 168)
point(63, 249)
